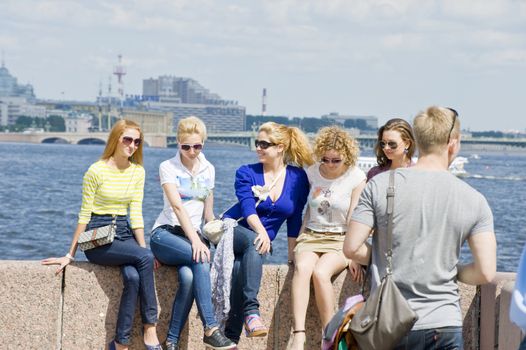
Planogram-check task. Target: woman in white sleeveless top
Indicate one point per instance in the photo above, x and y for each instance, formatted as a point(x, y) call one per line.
point(335, 186)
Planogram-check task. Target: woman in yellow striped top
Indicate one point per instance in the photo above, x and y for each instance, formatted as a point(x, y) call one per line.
point(110, 187)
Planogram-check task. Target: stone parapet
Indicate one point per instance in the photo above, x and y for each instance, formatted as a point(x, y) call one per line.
point(78, 309)
point(30, 306)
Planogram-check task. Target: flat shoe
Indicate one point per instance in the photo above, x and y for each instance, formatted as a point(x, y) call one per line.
point(254, 326)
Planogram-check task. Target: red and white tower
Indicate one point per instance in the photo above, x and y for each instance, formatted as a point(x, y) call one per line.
point(264, 102)
point(119, 71)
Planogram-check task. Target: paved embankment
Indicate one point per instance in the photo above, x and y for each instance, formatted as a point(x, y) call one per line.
point(77, 310)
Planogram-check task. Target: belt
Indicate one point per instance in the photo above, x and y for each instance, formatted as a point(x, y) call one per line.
point(308, 230)
point(117, 216)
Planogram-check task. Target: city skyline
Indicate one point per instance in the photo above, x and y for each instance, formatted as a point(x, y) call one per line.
point(382, 58)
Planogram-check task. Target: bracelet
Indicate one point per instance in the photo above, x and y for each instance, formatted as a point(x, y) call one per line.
point(70, 257)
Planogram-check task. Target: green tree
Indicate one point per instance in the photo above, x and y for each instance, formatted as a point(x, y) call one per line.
point(23, 122)
point(56, 123)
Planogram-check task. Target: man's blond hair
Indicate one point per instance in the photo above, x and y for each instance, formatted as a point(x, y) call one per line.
point(434, 127)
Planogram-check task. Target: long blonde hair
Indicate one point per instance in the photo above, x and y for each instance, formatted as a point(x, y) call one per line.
point(113, 140)
point(297, 148)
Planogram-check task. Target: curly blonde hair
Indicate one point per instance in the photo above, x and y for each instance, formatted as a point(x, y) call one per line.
point(335, 138)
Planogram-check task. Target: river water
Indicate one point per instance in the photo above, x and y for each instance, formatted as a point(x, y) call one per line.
point(40, 195)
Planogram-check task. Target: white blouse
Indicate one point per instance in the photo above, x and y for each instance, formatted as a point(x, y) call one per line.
point(329, 199)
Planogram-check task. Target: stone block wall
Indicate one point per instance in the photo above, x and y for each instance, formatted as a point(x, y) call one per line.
point(78, 309)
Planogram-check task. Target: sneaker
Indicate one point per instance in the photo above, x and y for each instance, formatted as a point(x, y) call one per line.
point(171, 346)
point(218, 341)
point(254, 326)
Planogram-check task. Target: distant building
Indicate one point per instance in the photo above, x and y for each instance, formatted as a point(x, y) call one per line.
point(185, 97)
point(9, 86)
point(13, 107)
point(150, 121)
point(353, 121)
point(58, 112)
point(79, 123)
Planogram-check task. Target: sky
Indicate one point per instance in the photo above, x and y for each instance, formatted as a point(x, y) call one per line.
point(385, 58)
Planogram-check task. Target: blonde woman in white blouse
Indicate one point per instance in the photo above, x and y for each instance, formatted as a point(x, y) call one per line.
point(335, 186)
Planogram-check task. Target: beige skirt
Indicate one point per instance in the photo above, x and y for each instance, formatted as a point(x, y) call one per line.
point(319, 243)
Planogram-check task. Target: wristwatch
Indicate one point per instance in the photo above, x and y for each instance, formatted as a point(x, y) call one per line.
point(70, 257)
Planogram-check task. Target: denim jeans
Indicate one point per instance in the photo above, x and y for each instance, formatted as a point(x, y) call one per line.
point(171, 247)
point(445, 338)
point(136, 265)
point(246, 280)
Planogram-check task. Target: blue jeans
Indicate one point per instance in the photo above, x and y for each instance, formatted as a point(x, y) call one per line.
point(136, 265)
point(246, 280)
point(445, 338)
point(171, 247)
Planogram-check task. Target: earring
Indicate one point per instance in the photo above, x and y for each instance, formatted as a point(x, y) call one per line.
point(406, 150)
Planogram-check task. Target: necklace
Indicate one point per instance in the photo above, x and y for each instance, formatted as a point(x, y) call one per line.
point(275, 174)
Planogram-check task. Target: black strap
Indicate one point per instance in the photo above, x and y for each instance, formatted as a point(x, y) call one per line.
point(390, 209)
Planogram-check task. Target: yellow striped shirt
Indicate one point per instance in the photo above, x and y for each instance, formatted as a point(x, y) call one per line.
point(107, 190)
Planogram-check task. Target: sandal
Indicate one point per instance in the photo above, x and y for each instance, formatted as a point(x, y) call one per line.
point(254, 326)
point(300, 331)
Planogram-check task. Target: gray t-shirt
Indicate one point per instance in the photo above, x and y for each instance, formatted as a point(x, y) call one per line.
point(434, 213)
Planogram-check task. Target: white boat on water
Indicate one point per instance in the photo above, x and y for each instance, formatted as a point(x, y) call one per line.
point(456, 167)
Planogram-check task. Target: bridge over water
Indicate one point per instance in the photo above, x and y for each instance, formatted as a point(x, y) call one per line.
point(153, 140)
point(236, 138)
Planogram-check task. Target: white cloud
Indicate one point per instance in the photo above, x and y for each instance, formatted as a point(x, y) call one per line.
point(9, 42)
point(403, 41)
point(476, 10)
point(504, 58)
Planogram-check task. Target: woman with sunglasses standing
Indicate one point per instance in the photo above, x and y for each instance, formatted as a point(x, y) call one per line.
point(335, 186)
point(188, 183)
point(269, 192)
point(110, 187)
point(395, 147)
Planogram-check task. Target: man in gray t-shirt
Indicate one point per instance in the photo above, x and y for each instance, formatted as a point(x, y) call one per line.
point(434, 213)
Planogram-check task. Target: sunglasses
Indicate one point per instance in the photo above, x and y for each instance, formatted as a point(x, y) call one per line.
point(390, 144)
point(127, 140)
point(263, 144)
point(331, 160)
point(196, 147)
point(455, 116)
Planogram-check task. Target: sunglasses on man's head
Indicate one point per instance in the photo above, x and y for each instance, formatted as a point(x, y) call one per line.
point(197, 147)
point(390, 144)
point(331, 160)
point(127, 140)
point(455, 116)
point(263, 144)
